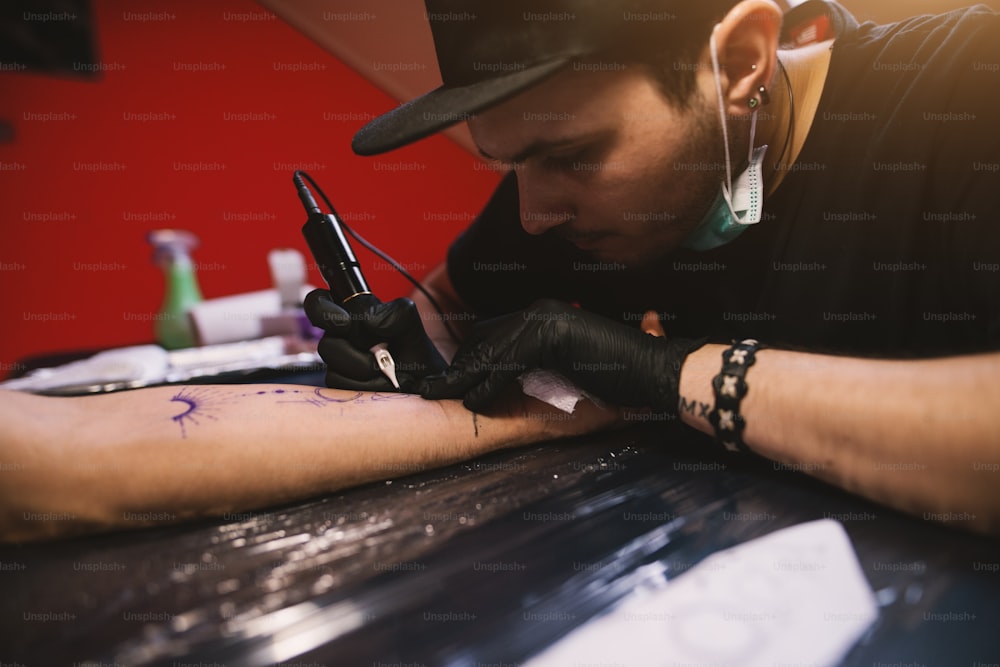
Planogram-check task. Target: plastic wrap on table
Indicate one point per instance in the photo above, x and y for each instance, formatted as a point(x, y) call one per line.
point(488, 561)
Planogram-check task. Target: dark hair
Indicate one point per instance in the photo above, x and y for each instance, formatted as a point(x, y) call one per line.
point(669, 44)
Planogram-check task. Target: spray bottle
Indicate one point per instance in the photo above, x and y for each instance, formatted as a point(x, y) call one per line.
point(172, 253)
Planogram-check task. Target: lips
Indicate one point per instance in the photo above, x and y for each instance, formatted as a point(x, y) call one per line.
point(588, 242)
point(582, 240)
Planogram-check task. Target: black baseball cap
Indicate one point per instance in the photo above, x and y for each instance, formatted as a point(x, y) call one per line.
point(490, 50)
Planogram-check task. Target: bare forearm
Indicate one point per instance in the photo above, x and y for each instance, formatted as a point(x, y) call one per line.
point(169, 453)
point(921, 436)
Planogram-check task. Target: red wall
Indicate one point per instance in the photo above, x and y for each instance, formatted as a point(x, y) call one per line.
point(75, 268)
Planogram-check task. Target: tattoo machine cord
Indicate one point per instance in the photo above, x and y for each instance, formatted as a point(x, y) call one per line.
point(298, 177)
point(791, 113)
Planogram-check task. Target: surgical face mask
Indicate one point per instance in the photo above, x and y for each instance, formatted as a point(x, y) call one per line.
point(740, 203)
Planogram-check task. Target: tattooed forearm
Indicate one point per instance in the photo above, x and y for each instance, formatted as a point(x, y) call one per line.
point(316, 396)
point(312, 397)
point(198, 404)
point(694, 408)
point(203, 402)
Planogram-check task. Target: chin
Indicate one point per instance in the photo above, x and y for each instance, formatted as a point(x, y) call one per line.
point(637, 259)
point(628, 260)
point(632, 252)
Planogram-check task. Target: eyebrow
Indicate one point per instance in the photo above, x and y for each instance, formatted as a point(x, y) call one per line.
point(548, 145)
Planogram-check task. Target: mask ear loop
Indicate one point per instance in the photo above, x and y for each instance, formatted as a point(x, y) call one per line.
point(727, 186)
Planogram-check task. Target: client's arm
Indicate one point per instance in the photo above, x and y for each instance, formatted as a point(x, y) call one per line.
point(168, 453)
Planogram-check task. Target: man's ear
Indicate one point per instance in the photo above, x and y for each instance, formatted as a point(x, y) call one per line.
point(747, 45)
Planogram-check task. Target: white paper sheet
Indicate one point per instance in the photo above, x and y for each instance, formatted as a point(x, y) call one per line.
point(552, 388)
point(794, 597)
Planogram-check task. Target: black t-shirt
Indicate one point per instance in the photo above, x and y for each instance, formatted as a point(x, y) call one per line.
point(881, 240)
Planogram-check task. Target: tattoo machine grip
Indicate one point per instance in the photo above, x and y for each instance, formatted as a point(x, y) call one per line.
point(338, 265)
point(334, 258)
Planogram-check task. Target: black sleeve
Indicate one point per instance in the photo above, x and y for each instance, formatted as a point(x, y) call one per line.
point(952, 103)
point(497, 267)
point(887, 242)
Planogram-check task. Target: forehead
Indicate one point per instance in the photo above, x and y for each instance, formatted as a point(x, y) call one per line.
point(571, 102)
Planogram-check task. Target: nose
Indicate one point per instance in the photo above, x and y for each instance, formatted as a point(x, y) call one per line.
point(544, 204)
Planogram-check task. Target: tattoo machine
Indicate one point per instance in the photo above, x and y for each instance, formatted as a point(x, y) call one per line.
point(324, 234)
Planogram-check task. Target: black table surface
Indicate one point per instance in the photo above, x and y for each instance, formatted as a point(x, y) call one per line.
point(485, 562)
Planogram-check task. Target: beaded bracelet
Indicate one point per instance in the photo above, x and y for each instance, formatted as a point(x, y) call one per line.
point(730, 388)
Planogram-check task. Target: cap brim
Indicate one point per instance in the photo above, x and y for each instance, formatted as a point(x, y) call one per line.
point(444, 107)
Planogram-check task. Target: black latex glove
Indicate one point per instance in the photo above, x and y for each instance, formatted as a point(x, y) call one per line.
point(346, 345)
point(615, 362)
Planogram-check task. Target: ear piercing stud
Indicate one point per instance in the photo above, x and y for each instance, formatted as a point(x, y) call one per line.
point(765, 98)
